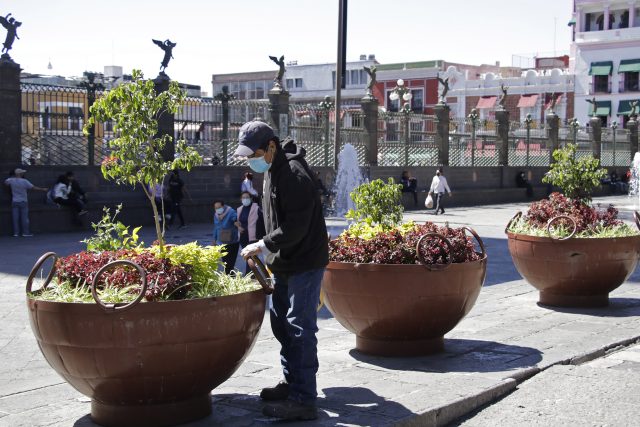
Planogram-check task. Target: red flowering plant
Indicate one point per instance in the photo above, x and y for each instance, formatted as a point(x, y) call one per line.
point(372, 240)
point(571, 214)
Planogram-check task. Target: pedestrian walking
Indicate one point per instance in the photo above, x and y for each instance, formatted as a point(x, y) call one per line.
point(163, 207)
point(296, 250)
point(250, 222)
point(247, 185)
point(176, 194)
point(438, 186)
point(225, 232)
point(19, 201)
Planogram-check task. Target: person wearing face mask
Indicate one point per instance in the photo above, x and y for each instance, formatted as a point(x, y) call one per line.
point(247, 186)
point(225, 232)
point(250, 222)
point(296, 250)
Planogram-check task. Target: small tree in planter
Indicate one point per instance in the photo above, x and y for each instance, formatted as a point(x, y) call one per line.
point(572, 252)
point(400, 287)
point(197, 324)
point(136, 152)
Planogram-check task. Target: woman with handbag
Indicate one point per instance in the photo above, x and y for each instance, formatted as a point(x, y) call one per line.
point(250, 222)
point(225, 232)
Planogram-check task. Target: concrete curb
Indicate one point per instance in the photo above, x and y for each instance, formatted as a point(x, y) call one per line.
point(443, 415)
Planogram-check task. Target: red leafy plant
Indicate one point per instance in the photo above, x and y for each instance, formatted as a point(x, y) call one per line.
point(398, 246)
point(164, 279)
point(588, 219)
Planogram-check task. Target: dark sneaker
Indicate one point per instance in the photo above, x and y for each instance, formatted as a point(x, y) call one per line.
point(290, 410)
point(279, 392)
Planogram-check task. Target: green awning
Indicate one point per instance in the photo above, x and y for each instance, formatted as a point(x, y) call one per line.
point(571, 22)
point(601, 68)
point(624, 107)
point(603, 108)
point(629, 66)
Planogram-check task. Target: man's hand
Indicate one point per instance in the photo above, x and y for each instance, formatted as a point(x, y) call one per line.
point(252, 249)
point(450, 194)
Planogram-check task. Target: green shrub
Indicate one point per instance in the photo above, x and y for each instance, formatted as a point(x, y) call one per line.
point(377, 203)
point(112, 235)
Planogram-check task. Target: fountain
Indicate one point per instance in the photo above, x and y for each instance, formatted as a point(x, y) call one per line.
point(348, 177)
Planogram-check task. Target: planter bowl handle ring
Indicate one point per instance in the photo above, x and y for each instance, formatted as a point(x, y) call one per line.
point(436, 267)
point(261, 273)
point(110, 307)
point(479, 240)
point(37, 266)
point(554, 219)
point(513, 218)
point(636, 216)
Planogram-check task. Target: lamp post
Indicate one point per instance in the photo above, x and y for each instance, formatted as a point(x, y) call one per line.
point(404, 93)
point(527, 121)
point(614, 126)
point(473, 117)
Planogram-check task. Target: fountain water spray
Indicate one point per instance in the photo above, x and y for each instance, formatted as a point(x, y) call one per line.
point(348, 177)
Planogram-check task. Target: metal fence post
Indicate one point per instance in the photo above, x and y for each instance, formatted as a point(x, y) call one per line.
point(224, 97)
point(614, 127)
point(10, 112)
point(91, 86)
point(405, 134)
point(596, 136)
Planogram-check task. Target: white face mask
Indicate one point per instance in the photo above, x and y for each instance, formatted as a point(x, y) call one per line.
point(220, 211)
point(246, 202)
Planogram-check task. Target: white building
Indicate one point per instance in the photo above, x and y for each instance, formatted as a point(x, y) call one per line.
point(606, 57)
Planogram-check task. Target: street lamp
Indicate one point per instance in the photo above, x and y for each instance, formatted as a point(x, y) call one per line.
point(401, 91)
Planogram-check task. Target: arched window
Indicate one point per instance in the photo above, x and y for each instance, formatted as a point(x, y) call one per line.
point(600, 22)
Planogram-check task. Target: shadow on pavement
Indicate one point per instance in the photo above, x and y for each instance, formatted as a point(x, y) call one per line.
point(461, 355)
point(618, 307)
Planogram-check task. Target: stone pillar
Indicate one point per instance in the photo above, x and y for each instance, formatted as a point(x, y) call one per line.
point(553, 126)
point(632, 14)
point(165, 120)
point(502, 117)
point(442, 133)
point(369, 106)
point(10, 112)
point(596, 136)
point(606, 19)
point(279, 110)
point(632, 125)
point(579, 20)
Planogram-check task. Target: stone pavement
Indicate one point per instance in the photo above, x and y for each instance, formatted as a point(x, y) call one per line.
point(505, 339)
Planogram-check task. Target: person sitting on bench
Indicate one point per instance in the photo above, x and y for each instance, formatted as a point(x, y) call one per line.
point(61, 191)
point(409, 185)
point(523, 182)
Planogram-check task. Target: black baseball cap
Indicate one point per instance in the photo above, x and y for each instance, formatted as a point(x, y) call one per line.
point(253, 136)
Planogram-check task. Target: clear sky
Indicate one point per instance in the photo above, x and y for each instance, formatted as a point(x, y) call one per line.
point(216, 36)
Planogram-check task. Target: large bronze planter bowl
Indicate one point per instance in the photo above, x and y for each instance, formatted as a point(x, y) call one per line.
point(574, 272)
point(402, 310)
point(148, 364)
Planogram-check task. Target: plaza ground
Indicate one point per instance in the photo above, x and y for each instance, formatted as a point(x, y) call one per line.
point(509, 362)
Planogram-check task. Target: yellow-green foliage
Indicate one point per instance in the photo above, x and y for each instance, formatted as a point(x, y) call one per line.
point(203, 261)
point(367, 231)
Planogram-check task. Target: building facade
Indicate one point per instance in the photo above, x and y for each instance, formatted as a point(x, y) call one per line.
point(606, 58)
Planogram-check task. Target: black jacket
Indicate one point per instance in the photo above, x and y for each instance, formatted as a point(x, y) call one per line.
point(296, 231)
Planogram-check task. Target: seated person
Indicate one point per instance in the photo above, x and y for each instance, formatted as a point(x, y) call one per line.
point(617, 184)
point(76, 191)
point(61, 191)
point(523, 182)
point(409, 185)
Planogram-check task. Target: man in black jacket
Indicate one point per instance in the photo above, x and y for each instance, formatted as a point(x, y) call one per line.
point(296, 250)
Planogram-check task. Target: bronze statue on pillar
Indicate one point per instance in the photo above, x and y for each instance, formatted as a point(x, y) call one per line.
point(11, 25)
point(594, 105)
point(552, 103)
point(634, 107)
point(445, 89)
point(371, 71)
point(503, 97)
point(277, 81)
point(167, 46)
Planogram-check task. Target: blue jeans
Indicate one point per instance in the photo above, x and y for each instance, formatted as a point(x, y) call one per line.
point(294, 322)
point(20, 216)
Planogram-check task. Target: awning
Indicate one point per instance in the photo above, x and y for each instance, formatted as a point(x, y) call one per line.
point(548, 104)
point(486, 102)
point(601, 68)
point(603, 108)
point(624, 107)
point(527, 101)
point(629, 66)
point(571, 22)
